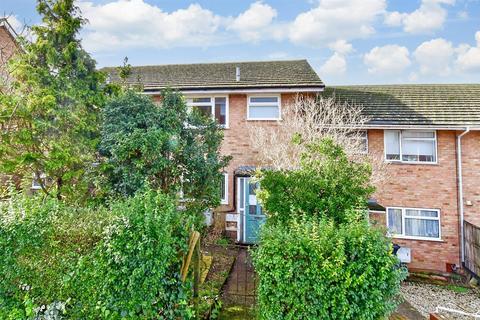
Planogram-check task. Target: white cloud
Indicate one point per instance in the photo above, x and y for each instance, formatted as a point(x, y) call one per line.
point(341, 46)
point(335, 65)
point(135, 23)
point(16, 24)
point(468, 58)
point(434, 57)
point(395, 18)
point(389, 59)
point(430, 16)
point(336, 19)
point(254, 22)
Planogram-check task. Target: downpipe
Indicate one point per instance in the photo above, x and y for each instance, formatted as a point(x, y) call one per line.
point(460, 190)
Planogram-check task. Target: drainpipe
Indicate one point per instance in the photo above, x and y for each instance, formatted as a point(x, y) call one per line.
point(460, 189)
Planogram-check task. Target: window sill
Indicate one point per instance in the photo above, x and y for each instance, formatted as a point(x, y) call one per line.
point(417, 238)
point(411, 162)
point(266, 119)
point(223, 203)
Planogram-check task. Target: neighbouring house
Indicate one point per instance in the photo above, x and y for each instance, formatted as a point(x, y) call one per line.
point(8, 47)
point(8, 44)
point(430, 134)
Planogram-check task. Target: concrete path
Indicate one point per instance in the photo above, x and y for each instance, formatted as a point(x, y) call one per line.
point(238, 296)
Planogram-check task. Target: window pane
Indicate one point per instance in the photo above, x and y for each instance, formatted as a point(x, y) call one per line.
point(395, 221)
point(201, 100)
point(221, 110)
point(204, 110)
point(242, 193)
point(418, 150)
point(421, 213)
point(392, 144)
point(264, 112)
point(263, 99)
point(223, 196)
point(418, 134)
point(422, 228)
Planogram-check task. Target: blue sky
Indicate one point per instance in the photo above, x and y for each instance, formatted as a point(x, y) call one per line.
point(346, 41)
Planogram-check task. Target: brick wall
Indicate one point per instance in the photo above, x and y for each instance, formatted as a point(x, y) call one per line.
point(471, 176)
point(431, 186)
point(7, 45)
point(237, 140)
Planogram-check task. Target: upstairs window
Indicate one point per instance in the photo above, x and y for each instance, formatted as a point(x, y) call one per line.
point(411, 146)
point(360, 140)
point(215, 107)
point(263, 108)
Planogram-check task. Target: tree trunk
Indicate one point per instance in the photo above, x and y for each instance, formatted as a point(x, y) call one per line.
point(59, 188)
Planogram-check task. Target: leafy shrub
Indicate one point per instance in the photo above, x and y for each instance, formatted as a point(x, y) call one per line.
point(135, 271)
point(326, 185)
point(321, 270)
point(164, 146)
point(107, 262)
point(41, 240)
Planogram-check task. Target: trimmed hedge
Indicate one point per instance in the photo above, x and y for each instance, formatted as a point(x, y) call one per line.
point(320, 270)
point(108, 262)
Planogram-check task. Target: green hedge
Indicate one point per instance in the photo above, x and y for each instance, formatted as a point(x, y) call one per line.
point(108, 262)
point(320, 270)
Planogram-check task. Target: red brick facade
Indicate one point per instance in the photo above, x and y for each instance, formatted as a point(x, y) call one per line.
point(471, 176)
point(429, 186)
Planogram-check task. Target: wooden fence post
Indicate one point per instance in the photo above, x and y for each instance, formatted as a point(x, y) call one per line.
point(196, 276)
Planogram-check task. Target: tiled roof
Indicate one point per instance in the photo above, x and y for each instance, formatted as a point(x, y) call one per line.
point(435, 105)
point(204, 76)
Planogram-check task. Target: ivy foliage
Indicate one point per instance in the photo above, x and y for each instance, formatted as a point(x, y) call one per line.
point(118, 261)
point(321, 270)
point(50, 119)
point(164, 146)
point(326, 185)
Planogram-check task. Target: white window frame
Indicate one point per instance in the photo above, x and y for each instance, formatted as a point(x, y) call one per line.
point(35, 184)
point(400, 145)
point(211, 104)
point(404, 236)
point(357, 137)
point(225, 190)
point(260, 104)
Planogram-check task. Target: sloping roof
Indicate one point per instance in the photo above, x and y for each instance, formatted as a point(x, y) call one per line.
point(434, 105)
point(8, 27)
point(205, 76)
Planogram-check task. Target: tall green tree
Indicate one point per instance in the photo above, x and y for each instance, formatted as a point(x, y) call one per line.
point(50, 119)
point(164, 146)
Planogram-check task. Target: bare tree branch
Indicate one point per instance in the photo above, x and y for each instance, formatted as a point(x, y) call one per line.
point(308, 119)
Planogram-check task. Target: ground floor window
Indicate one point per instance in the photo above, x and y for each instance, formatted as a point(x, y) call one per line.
point(37, 181)
point(414, 223)
point(224, 189)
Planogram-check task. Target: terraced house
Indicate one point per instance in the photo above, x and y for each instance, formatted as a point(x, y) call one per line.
point(429, 134)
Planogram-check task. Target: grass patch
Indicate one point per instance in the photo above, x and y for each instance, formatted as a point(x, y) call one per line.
point(458, 289)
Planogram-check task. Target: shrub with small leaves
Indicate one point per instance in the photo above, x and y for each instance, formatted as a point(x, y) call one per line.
point(120, 260)
point(321, 270)
point(326, 185)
